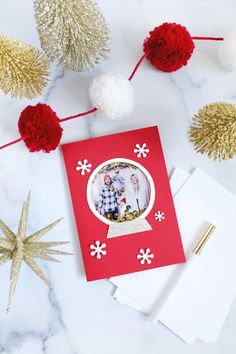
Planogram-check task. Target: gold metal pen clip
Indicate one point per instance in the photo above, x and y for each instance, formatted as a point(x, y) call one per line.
point(207, 234)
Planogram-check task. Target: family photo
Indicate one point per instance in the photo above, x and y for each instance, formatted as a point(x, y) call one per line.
point(120, 192)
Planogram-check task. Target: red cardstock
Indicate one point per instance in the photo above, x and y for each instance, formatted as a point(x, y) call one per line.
point(163, 240)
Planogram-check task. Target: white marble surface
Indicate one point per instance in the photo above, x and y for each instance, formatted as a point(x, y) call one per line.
point(79, 317)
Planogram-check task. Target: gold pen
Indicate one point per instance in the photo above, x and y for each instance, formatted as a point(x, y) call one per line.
point(206, 236)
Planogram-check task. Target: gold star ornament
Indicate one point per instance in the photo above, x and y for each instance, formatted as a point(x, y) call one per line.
point(17, 247)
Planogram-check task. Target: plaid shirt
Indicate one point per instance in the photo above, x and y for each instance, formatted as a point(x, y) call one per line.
point(108, 199)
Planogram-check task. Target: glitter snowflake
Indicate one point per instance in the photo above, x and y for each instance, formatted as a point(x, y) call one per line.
point(83, 167)
point(159, 215)
point(98, 249)
point(145, 256)
point(141, 150)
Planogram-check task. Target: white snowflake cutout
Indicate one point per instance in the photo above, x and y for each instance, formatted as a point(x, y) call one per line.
point(145, 256)
point(141, 150)
point(83, 167)
point(159, 215)
point(98, 249)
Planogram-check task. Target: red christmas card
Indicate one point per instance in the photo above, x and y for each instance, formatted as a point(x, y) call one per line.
point(122, 203)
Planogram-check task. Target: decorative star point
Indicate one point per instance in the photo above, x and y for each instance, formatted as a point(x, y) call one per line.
point(18, 247)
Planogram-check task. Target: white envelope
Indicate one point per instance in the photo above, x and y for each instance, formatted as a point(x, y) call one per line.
point(129, 292)
point(205, 290)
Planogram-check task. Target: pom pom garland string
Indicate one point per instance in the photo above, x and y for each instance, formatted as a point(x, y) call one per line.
point(61, 120)
point(90, 111)
point(207, 38)
point(11, 143)
point(168, 47)
point(137, 66)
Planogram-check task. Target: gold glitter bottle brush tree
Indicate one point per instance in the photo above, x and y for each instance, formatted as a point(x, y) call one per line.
point(213, 131)
point(18, 247)
point(74, 33)
point(23, 69)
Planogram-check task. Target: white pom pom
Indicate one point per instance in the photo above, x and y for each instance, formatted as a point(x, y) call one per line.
point(227, 51)
point(113, 95)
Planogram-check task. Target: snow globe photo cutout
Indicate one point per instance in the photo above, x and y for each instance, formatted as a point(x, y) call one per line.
point(121, 193)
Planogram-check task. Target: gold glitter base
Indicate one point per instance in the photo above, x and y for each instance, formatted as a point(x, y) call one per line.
point(128, 228)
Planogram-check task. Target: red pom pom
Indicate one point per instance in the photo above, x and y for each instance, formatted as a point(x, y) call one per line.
point(39, 127)
point(168, 47)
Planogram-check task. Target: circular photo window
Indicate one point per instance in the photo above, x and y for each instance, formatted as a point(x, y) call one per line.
point(120, 190)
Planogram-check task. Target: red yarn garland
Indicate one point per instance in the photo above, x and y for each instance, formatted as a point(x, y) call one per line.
point(79, 115)
point(11, 143)
point(168, 48)
point(208, 38)
point(136, 67)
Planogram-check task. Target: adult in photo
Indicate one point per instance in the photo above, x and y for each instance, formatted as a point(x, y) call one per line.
point(108, 199)
point(138, 192)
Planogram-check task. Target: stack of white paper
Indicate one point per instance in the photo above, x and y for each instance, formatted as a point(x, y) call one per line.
point(191, 299)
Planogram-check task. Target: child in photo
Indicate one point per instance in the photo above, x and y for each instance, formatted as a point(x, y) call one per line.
point(119, 184)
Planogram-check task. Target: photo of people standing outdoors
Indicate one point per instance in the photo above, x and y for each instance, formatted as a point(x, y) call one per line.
point(120, 191)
